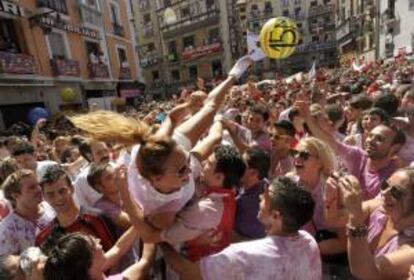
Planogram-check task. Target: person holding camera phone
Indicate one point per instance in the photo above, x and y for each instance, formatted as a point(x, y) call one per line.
point(380, 232)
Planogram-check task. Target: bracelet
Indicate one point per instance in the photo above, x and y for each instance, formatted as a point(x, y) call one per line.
point(357, 232)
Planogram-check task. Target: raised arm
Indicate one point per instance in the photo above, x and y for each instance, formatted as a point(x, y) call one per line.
point(120, 248)
point(141, 269)
point(206, 146)
point(316, 130)
point(233, 129)
point(195, 126)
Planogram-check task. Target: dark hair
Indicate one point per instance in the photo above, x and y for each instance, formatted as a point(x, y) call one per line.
point(85, 150)
point(23, 148)
point(53, 174)
point(334, 112)
point(295, 204)
point(399, 137)
point(259, 160)
point(230, 163)
point(261, 110)
point(360, 102)
point(287, 126)
point(385, 118)
point(95, 173)
point(70, 259)
point(67, 153)
point(388, 102)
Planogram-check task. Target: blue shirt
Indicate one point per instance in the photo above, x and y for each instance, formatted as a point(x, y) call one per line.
point(247, 223)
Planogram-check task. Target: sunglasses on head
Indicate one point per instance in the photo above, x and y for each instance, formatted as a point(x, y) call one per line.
point(300, 154)
point(395, 191)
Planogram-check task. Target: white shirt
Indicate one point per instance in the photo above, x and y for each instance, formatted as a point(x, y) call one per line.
point(17, 233)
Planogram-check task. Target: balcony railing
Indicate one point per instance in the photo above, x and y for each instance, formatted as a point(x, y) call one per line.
point(17, 63)
point(65, 67)
point(125, 73)
point(118, 29)
point(190, 23)
point(326, 27)
point(56, 5)
point(320, 10)
point(98, 70)
point(198, 52)
point(312, 47)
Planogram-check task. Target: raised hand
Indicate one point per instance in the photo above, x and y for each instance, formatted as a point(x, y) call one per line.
point(241, 66)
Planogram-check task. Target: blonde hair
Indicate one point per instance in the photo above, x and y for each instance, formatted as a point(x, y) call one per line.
point(322, 151)
point(112, 127)
point(108, 126)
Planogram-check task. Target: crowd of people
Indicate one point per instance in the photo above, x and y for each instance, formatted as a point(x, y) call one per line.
point(310, 177)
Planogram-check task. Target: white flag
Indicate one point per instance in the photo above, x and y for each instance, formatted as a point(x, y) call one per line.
point(253, 49)
point(312, 72)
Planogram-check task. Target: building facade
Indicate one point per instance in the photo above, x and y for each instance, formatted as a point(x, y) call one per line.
point(396, 28)
point(179, 41)
point(48, 48)
point(316, 25)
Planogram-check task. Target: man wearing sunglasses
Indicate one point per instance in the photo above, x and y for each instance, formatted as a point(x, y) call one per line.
point(372, 165)
point(282, 135)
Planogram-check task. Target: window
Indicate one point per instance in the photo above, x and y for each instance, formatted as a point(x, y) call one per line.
point(213, 35)
point(411, 5)
point(192, 72)
point(115, 13)
point(175, 75)
point(242, 10)
point(315, 39)
point(284, 2)
point(185, 12)
point(298, 2)
point(216, 68)
point(92, 3)
point(123, 61)
point(8, 37)
point(254, 7)
point(94, 51)
point(172, 47)
point(57, 45)
point(314, 3)
point(147, 18)
point(298, 11)
point(188, 41)
point(57, 5)
point(155, 75)
point(210, 4)
point(285, 13)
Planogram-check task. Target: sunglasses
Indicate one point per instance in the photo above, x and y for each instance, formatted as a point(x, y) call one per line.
point(395, 191)
point(277, 136)
point(300, 154)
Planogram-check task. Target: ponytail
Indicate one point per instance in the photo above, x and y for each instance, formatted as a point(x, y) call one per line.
point(108, 126)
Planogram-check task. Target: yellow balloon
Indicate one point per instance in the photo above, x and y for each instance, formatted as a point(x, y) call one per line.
point(68, 95)
point(279, 37)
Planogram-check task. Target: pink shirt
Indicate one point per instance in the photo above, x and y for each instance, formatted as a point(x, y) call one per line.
point(356, 161)
point(269, 258)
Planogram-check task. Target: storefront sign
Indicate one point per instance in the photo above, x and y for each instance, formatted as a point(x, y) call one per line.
point(201, 51)
point(11, 8)
point(61, 24)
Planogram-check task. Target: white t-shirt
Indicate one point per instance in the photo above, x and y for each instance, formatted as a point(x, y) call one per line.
point(85, 195)
point(17, 233)
point(269, 258)
point(149, 198)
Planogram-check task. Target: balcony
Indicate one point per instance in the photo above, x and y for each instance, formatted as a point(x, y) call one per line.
point(56, 5)
point(118, 29)
point(65, 67)
point(315, 46)
point(125, 73)
point(321, 10)
point(190, 23)
point(321, 28)
point(17, 63)
point(98, 71)
point(198, 52)
point(345, 31)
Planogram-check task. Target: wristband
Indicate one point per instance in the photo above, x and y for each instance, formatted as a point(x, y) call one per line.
point(357, 232)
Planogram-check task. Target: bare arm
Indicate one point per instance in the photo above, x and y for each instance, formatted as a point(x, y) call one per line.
point(141, 269)
point(117, 251)
point(183, 267)
point(205, 147)
point(232, 129)
point(174, 117)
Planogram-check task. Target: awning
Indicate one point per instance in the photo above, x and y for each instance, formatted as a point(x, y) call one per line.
point(94, 85)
